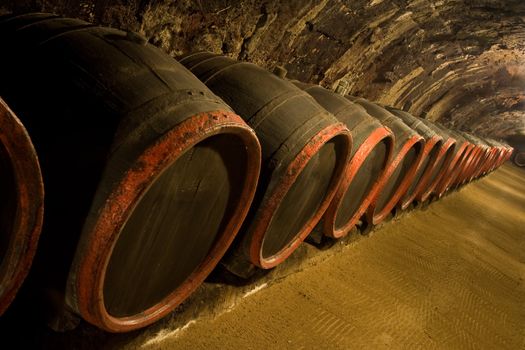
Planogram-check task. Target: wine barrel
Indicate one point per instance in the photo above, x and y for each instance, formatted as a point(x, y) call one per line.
point(483, 158)
point(444, 158)
point(502, 151)
point(496, 154)
point(22, 204)
point(468, 163)
point(519, 159)
point(401, 170)
point(465, 165)
point(509, 150)
point(487, 161)
point(148, 174)
point(304, 148)
point(479, 157)
point(432, 146)
point(372, 151)
point(461, 150)
point(506, 152)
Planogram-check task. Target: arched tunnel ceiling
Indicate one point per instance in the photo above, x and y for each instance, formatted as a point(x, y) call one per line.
point(461, 62)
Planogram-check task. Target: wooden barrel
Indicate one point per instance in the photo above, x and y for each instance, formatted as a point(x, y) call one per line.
point(148, 174)
point(22, 204)
point(304, 148)
point(461, 150)
point(478, 155)
point(500, 156)
point(486, 161)
point(433, 143)
point(482, 158)
point(518, 158)
point(372, 152)
point(401, 170)
point(505, 151)
point(497, 154)
point(467, 164)
point(509, 150)
point(444, 158)
point(491, 162)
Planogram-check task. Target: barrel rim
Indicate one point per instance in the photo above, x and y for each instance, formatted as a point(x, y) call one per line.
point(470, 169)
point(488, 162)
point(376, 218)
point(272, 200)
point(454, 166)
point(519, 161)
point(86, 281)
point(494, 160)
point(30, 207)
point(446, 147)
point(430, 144)
point(380, 134)
point(464, 165)
point(477, 168)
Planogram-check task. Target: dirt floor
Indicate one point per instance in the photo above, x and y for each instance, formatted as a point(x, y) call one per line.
point(449, 277)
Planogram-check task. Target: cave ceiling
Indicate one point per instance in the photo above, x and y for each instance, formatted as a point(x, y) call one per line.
point(461, 63)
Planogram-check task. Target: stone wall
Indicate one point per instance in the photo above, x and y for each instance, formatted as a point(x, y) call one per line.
point(461, 62)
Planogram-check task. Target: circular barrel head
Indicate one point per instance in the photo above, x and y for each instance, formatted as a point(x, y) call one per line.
point(22, 205)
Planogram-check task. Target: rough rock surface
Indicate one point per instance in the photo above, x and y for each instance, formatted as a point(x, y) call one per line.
point(459, 62)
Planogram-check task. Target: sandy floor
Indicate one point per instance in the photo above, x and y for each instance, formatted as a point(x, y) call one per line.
point(448, 277)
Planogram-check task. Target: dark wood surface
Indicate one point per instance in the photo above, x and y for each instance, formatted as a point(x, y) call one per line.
point(93, 100)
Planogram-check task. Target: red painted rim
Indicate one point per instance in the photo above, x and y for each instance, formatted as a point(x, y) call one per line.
point(96, 251)
point(470, 168)
point(27, 222)
point(464, 165)
point(460, 166)
point(493, 159)
point(488, 162)
point(422, 185)
point(484, 161)
point(271, 204)
point(442, 186)
point(450, 142)
point(376, 218)
point(377, 136)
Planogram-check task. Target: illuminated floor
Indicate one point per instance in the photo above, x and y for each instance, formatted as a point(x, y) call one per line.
point(450, 277)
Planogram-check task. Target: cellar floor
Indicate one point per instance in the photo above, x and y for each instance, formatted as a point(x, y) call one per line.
point(447, 276)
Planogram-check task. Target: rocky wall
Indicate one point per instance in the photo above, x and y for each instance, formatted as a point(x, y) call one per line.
point(461, 62)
